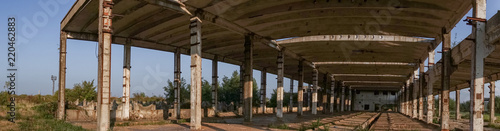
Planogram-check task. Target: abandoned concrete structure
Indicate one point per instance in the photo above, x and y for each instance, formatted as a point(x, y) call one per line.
point(340, 47)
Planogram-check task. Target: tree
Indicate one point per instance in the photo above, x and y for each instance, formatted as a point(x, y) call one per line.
point(85, 90)
point(286, 99)
point(230, 90)
point(170, 93)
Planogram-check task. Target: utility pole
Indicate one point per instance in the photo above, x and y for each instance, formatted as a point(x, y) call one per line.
point(53, 78)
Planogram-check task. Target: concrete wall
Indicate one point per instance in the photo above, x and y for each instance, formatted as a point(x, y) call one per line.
point(369, 98)
point(87, 112)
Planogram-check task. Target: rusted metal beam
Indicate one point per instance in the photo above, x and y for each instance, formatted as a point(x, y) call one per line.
point(195, 33)
point(104, 66)
point(62, 76)
point(126, 81)
point(248, 85)
point(445, 81)
point(279, 90)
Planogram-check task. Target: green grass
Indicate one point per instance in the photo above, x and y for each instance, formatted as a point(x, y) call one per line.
point(493, 125)
point(143, 123)
point(44, 120)
point(279, 126)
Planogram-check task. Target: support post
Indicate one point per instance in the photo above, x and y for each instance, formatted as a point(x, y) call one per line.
point(242, 85)
point(430, 96)
point(314, 100)
point(445, 81)
point(477, 66)
point(439, 105)
point(279, 90)
point(342, 98)
point(300, 90)
point(349, 98)
point(62, 76)
point(290, 104)
point(177, 84)
point(195, 29)
point(332, 94)
point(407, 99)
point(402, 99)
point(324, 92)
point(492, 101)
point(215, 85)
point(421, 79)
point(248, 90)
point(104, 65)
point(126, 81)
point(263, 90)
point(309, 97)
point(457, 102)
point(415, 85)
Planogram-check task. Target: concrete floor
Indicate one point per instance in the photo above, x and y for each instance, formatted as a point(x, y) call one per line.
point(345, 121)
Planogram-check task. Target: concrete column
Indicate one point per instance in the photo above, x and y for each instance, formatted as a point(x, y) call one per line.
point(242, 85)
point(457, 96)
point(445, 81)
point(62, 76)
point(104, 65)
point(309, 97)
point(430, 96)
point(477, 66)
point(324, 100)
point(314, 100)
point(337, 100)
point(415, 85)
point(263, 90)
point(353, 93)
point(342, 98)
point(290, 104)
point(492, 101)
point(177, 84)
point(300, 90)
point(248, 90)
point(402, 100)
point(279, 90)
point(408, 100)
point(421, 91)
point(439, 105)
point(332, 94)
point(126, 81)
point(195, 29)
point(215, 85)
point(349, 98)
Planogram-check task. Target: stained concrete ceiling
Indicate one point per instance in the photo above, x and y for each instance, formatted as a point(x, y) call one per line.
point(163, 25)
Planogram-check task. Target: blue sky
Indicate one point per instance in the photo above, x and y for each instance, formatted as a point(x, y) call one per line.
point(38, 55)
